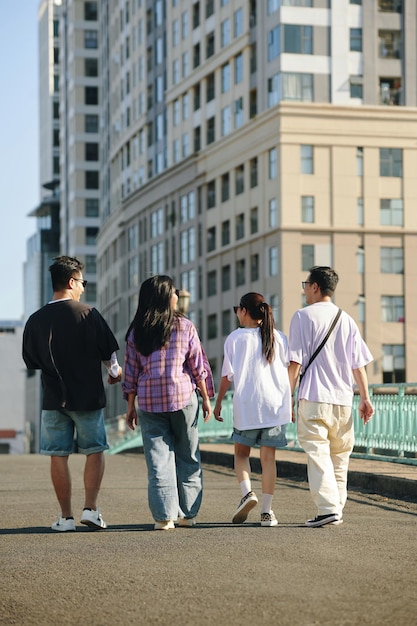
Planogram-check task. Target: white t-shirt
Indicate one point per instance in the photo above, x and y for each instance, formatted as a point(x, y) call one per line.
point(262, 394)
point(329, 378)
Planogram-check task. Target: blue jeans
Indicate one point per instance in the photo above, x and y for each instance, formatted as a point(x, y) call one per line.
point(170, 443)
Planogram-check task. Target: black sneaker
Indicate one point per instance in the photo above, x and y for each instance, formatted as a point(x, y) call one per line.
point(322, 520)
point(245, 505)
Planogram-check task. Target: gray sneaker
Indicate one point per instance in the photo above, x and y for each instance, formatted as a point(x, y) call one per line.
point(245, 505)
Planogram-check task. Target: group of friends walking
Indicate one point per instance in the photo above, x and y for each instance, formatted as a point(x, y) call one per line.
point(166, 376)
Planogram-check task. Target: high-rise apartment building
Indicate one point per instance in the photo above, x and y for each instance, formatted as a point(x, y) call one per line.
point(233, 144)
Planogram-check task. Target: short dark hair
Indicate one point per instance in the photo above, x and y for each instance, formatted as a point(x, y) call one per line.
point(325, 277)
point(64, 268)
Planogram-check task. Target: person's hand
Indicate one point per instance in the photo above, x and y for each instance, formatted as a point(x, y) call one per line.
point(112, 380)
point(366, 410)
point(132, 418)
point(207, 410)
point(217, 411)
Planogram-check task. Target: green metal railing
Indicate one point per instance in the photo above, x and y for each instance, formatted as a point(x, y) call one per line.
point(392, 432)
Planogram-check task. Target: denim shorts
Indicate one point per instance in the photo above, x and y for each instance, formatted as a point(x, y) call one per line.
point(58, 428)
point(273, 437)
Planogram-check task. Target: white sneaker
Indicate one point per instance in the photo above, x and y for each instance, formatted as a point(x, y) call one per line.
point(245, 505)
point(269, 519)
point(167, 524)
point(187, 521)
point(93, 519)
point(63, 524)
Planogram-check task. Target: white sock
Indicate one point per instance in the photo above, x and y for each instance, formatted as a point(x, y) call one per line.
point(267, 502)
point(245, 486)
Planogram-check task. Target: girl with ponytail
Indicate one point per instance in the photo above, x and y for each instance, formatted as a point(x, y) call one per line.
point(256, 360)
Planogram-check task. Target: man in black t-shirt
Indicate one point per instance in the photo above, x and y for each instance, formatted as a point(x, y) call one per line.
point(68, 341)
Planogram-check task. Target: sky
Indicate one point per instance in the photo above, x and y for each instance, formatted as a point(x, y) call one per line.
point(19, 161)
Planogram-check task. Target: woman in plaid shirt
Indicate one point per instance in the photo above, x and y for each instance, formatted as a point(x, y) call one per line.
point(165, 364)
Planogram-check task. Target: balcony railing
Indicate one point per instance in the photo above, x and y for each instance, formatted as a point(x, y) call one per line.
point(392, 432)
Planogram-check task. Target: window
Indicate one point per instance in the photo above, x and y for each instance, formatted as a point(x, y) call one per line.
point(209, 8)
point(359, 161)
point(273, 260)
point(212, 326)
point(298, 39)
point(157, 222)
point(91, 180)
point(254, 267)
point(56, 110)
point(185, 64)
point(254, 172)
point(238, 69)
point(225, 233)
point(356, 87)
point(211, 239)
point(273, 90)
point(239, 179)
point(356, 39)
point(157, 258)
point(91, 207)
point(391, 162)
point(211, 130)
point(187, 246)
point(273, 213)
point(360, 258)
point(175, 33)
point(273, 43)
point(211, 194)
point(184, 25)
point(90, 67)
point(297, 87)
point(197, 138)
point(196, 15)
point(254, 220)
point(391, 212)
point(390, 6)
point(197, 97)
point(238, 110)
point(393, 363)
point(307, 159)
point(273, 5)
point(225, 187)
point(209, 45)
point(360, 211)
point(91, 236)
point(196, 55)
point(240, 273)
point(185, 106)
point(91, 95)
point(225, 33)
point(226, 322)
point(91, 39)
point(91, 151)
point(211, 87)
point(307, 257)
point(225, 77)
point(392, 260)
point(392, 308)
point(226, 116)
point(133, 274)
point(238, 23)
point(272, 163)
point(226, 275)
point(389, 44)
point(212, 283)
point(307, 209)
point(90, 263)
point(240, 226)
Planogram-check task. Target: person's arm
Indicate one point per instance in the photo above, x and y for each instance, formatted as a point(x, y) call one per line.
point(293, 373)
point(114, 370)
point(206, 406)
point(366, 410)
point(131, 415)
point(224, 386)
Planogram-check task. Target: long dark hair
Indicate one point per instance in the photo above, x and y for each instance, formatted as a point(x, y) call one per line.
point(258, 309)
point(154, 318)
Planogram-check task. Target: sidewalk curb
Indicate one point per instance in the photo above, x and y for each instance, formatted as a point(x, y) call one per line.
point(389, 486)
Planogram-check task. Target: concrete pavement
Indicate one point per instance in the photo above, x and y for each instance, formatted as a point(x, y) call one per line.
point(220, 574)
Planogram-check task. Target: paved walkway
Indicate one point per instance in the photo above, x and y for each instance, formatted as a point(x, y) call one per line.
point(361, 573)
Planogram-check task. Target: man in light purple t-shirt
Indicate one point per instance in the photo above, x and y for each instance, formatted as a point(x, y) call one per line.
point(325, 395)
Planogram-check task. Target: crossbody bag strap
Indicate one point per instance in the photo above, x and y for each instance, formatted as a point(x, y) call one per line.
point(315, 353)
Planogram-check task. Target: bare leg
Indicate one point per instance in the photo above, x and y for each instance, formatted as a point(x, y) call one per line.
point(242, 465)
point(269, 469)
point(61, 480)
point(93, 475)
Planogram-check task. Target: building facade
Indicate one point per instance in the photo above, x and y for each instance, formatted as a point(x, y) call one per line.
point(233, 144)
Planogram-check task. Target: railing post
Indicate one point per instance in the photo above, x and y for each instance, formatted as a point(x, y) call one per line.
point(370, 449)
point(400, 418)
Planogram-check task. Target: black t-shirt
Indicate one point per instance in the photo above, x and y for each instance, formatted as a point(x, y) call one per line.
point(68, 340)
